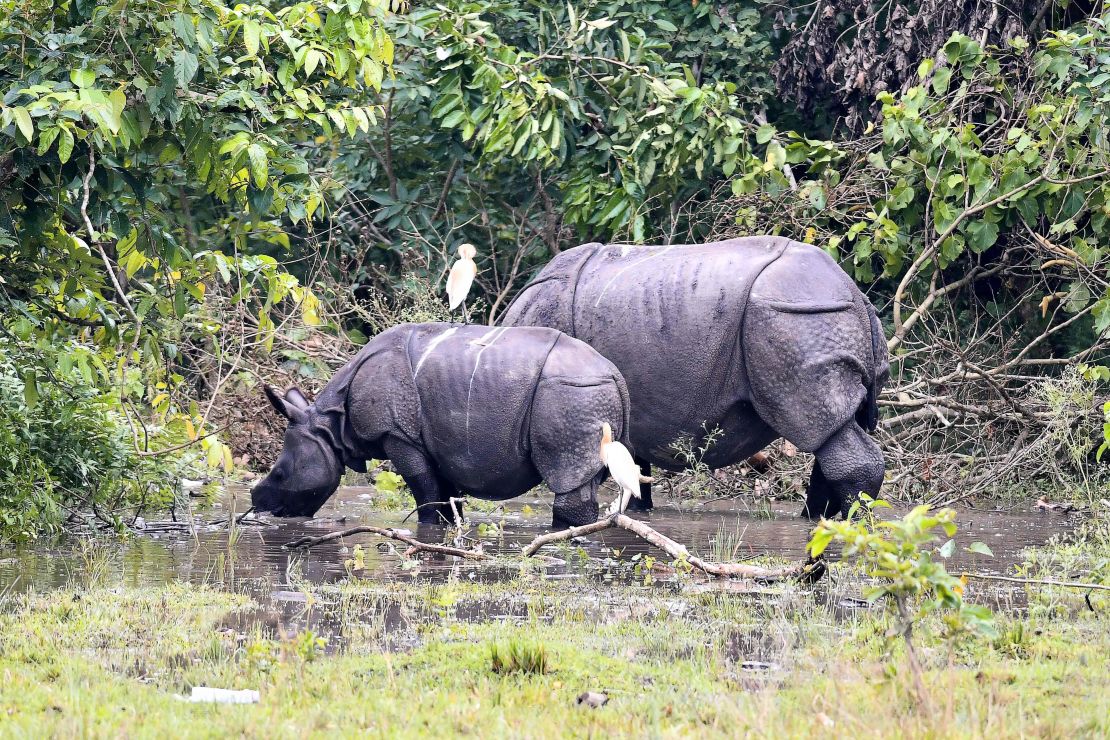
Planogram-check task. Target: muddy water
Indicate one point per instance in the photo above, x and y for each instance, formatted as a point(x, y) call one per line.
point(254, 559)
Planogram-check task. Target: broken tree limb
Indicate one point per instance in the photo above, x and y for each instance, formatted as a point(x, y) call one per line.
point(566, 534)
point(392, 534)
point(809, 571)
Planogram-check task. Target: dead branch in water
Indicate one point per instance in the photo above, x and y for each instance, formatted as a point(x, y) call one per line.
point(392, 534)
point(809, 571)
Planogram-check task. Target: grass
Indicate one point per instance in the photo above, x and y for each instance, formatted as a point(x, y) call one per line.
point(509, 658)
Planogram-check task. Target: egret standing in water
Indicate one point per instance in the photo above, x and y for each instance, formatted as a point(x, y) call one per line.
point(625, 471)
point(461, 278)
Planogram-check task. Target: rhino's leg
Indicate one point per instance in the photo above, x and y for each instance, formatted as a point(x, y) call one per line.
point(577, 506)
point(422, 479)
point(849, 463)
point(643, 503)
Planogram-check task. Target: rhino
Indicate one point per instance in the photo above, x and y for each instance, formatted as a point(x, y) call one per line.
point(738, 342)
point(488, 412)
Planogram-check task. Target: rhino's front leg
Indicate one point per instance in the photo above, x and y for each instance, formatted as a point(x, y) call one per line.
point(643, 503)
point(427, 487)
point(576, 507)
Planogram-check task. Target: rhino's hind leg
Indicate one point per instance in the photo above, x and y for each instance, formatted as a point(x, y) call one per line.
point(421, 477)
point(577, 506)
point(643, 503)
point(850, 462)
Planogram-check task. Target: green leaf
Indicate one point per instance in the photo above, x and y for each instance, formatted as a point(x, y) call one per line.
point(776, 155)
point(65, 145)
point(947, 549)
point(46, 138)
point(819, 542)
point(23, 121)
point(764, 133)
point(312, 59)
point(259, 165)
point(981, 548)
point(252, 33)
point(185, 30)
point(30, 388)
point(185, 67)
point(981, 235)
point(82, 77)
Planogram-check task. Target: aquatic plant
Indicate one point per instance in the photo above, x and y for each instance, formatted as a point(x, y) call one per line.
point(898, 553)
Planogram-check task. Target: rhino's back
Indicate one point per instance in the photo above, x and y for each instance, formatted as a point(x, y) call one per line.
point(669, 317)
point(475, 386)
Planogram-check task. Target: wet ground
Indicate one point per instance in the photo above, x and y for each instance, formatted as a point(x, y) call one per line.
point(253, 558)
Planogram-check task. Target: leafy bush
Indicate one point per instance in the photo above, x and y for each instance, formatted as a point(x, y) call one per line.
point(65, 446)
point(910, 581)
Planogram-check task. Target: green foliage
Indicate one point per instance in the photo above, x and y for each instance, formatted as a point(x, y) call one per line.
point(150, 156)
point(897, 553)
point(151, 147)
point(520, 127)
point(991, 146)
point(66, 446)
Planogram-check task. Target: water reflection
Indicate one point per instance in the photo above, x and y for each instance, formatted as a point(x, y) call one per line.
point(254, 560)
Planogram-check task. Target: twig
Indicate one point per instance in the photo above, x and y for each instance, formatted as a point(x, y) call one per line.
point(392, 534)
point(1037, 581)
point(421, 506)
point(104, 255)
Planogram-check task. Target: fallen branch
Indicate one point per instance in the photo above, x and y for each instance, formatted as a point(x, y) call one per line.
point(566, 534)
point(392, 534)
point(810, 571)
point(1037, 581)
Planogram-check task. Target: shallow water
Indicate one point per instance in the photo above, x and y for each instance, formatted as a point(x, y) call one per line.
point(254, 560)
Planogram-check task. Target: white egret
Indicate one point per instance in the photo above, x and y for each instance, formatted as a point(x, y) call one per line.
point(623, 468)
point(461, 277)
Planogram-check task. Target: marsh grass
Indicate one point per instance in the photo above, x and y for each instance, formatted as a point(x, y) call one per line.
point(518, 656)
point(685, 659)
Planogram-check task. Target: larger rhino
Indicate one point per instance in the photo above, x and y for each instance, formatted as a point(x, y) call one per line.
point(487, 412)
point(759, 337)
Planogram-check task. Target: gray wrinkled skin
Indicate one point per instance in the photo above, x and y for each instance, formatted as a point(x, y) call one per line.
point(762, 337)
point(488, 412)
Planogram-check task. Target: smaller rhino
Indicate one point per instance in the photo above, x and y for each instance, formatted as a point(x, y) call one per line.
point(489, 412)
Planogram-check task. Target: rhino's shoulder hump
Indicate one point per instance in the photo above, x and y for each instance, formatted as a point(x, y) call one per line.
point(805, 279)
point(570, 357)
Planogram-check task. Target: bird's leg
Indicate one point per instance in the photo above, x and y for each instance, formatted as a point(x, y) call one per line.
point(466, 313)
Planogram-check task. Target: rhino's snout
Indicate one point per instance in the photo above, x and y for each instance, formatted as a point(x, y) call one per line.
point(269, 498)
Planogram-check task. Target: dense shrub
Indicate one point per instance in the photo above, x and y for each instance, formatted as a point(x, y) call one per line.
point(66, 446)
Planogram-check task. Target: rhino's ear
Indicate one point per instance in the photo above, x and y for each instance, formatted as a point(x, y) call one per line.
point(296, 397)
point(283, 407)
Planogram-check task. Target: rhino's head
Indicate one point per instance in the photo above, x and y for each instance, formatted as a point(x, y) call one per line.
point(309, 468)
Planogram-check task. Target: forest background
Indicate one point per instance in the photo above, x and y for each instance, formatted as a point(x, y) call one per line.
point(196, 198)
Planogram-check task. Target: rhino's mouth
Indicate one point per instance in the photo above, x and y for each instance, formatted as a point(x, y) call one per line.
point(288, 504)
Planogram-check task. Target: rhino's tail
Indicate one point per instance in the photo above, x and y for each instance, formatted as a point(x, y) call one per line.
point(868, 415)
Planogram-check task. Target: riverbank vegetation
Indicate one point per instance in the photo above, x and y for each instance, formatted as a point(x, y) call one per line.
point(416, 656)
point(200, 197)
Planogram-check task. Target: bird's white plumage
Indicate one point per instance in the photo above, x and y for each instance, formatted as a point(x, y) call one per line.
point(461, 276)
point(625, 471)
